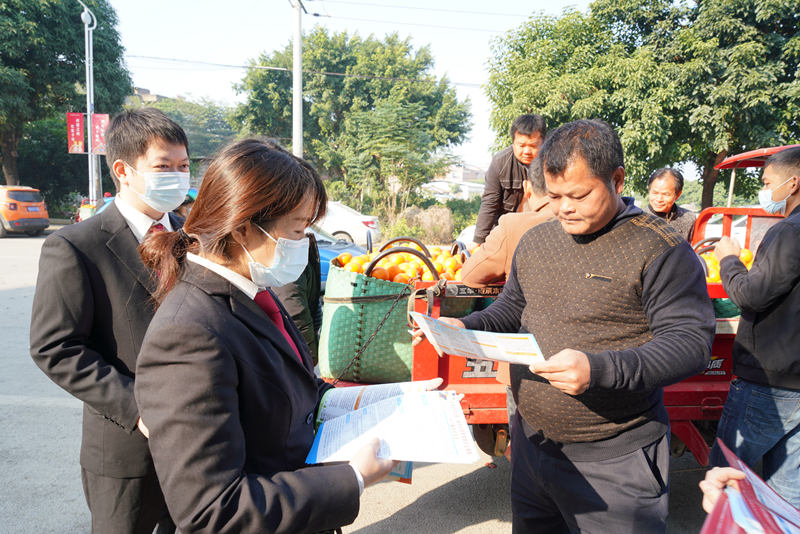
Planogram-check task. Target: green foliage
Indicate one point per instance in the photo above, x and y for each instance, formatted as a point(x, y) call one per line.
point(402, 228)
point(394, 123)
point(465, 213)
point(693, 193)
point(42, 66)
point(680, 82)
point(207, 124)
point(387, 154)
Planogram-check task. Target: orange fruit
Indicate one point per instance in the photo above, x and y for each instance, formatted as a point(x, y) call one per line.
point(450, 264)
point(458, 275)
point(354, 267)
point(380, 273)
point(392, 270)
point(344, 258)
point(435, 251)
point(427, 276)
point(402, 278)
point(746, 255)
point(447, 275)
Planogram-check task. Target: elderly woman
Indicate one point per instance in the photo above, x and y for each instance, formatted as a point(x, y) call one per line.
point(664, 188)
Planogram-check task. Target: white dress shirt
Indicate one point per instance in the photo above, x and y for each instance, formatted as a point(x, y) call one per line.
point(138, 222)
point(245, 285)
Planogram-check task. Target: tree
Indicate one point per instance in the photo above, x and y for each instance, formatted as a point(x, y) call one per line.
point(680, 82)
point(387, 152)
point(42, 67)
point(378, 71)
point(206, 123)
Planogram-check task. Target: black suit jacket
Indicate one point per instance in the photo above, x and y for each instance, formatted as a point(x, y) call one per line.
point(90, 311)
point(230, 409)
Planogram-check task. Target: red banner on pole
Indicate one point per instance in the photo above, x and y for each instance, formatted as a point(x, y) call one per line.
point(75, 133)
point(99, 125)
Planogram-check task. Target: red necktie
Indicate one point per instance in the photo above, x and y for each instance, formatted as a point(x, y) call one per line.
point(267, 303)
point(156, 227)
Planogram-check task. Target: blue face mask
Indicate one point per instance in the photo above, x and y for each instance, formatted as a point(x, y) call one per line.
point(163, 191)
point(288, 263)
point(769, 205)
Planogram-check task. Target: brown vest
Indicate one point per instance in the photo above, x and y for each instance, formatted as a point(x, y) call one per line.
point(585, 293)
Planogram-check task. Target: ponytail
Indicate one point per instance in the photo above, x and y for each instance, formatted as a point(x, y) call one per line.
point(164, 253)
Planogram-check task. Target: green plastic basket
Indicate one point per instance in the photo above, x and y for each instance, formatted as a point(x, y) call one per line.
point(725, 308)
point(353, 307)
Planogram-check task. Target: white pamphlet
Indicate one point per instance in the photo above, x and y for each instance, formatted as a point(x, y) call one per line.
point(502, 347)
point(418, 426)
point(339, 401)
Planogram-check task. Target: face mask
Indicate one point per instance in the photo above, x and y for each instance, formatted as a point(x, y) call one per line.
point(769, 205)
point(288, 263)
point(163, 191)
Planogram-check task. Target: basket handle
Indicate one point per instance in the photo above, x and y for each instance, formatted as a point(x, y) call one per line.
point(405, 238)
point(460, 248)
point(409, 250)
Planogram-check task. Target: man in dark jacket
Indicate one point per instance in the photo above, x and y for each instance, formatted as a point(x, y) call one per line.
point(503, 192)
point(664, 187)
point(618, 304)
point(761, 419)
point(301, 299)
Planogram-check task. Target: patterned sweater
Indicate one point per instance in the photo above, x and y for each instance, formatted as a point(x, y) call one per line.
point(633, 298)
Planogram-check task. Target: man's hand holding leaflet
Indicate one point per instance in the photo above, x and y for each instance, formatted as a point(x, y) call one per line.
point(519, 348)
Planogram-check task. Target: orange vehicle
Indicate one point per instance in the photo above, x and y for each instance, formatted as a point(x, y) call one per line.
point(22, 209)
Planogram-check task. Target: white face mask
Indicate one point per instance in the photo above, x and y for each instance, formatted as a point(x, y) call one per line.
point(773, 206)
point(163, 191)
point(288, 263)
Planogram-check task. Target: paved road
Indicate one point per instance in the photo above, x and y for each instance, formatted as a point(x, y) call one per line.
point(40, 489)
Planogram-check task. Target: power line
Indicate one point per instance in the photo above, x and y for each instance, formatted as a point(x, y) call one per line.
point(421, 8)
point(284, 69)
point(407, 23)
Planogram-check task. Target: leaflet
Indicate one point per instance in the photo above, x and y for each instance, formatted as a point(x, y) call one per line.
point(339, 401)
point(423, 426)
point(502, 347)
point(754, 507)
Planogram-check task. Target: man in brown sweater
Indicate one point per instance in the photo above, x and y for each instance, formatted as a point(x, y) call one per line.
point(619, 309)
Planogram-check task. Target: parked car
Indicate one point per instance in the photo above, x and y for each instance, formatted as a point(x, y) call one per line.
point(467, 235)
point(330, 247)
point(346, 223)
point(22, 209)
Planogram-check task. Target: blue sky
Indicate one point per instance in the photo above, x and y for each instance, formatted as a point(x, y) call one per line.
point(233, 31)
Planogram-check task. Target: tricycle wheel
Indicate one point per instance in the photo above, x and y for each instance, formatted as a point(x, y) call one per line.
point(491, 439)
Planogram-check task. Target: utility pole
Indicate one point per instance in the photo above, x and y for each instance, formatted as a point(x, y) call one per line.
point(89, 24)
point(297, 79)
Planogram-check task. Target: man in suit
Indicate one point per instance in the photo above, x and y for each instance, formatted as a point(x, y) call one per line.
point(92, 307)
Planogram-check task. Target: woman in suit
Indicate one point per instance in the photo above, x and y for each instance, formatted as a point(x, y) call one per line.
point(224, 380)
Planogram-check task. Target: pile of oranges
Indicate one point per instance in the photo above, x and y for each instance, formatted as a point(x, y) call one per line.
point(746, 257)
point(403, 267)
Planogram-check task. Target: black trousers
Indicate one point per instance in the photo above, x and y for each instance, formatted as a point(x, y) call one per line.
point(126, 505)
point(628, 494)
